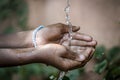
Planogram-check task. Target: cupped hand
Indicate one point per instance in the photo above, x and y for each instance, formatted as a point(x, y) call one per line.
point(62, 58)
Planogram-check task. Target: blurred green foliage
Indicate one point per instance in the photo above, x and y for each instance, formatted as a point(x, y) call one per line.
point(25, 72)
point(108, 62)
point(17, 9)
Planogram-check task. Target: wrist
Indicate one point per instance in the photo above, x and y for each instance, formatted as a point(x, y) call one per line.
point(43, 54)
point(34, 35)
point(26, 57)
point(29, 42)
point(39, 55)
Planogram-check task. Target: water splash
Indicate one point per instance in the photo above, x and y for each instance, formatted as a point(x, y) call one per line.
point(61, 75)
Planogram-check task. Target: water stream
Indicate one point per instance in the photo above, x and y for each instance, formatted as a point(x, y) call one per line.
point(68, 22)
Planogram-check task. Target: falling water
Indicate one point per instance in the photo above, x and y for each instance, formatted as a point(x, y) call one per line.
point(68, 22)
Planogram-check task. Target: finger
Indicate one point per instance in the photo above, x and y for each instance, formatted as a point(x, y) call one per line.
point(87, 52)
point(80, 40)
point(78, 45)
point(82, 43)
point(80, 36)
point(77, 49)
point(84, 55)
point(91, 55)
point(95, 43)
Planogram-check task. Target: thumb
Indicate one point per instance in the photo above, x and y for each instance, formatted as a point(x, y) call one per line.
point(74, 28)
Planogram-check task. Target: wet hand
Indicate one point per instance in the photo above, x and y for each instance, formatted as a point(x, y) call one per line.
point(53, 33)
point(62, 58)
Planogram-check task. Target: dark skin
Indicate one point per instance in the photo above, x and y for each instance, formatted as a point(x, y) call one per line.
point(53, 48)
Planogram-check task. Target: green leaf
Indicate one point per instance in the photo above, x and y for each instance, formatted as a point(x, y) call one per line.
point(99, 52)
point(113, 53)
point(99, 68)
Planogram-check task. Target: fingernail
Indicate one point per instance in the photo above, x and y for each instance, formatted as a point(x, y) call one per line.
point(94, 42)
point(76, 28)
